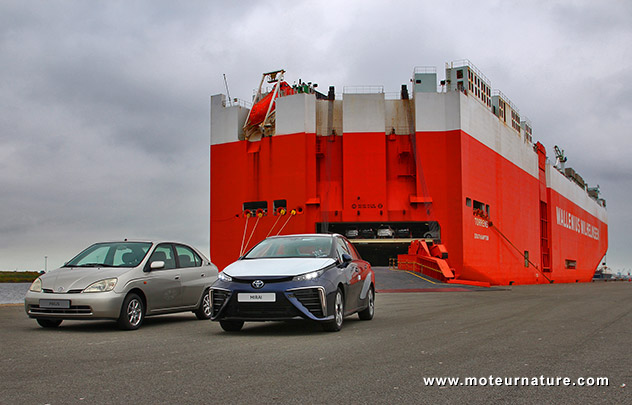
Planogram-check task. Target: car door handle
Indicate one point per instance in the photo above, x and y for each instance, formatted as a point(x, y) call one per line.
point(177, 277)
point(202, 275)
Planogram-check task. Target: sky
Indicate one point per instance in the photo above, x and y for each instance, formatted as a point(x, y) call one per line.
point(105, 122)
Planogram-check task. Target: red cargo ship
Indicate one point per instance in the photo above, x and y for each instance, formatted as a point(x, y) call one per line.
point(445, 178)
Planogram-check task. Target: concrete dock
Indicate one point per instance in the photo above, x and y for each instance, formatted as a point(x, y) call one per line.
point(569, 331)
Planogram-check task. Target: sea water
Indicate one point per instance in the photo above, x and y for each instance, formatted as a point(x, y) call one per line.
point(13, 293)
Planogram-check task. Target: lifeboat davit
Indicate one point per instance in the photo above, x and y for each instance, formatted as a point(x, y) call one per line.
point(260, 109)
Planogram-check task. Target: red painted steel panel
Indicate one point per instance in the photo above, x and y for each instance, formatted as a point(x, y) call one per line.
point(362, 177)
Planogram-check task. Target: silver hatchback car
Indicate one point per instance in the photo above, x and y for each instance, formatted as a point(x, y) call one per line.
point(124, 281)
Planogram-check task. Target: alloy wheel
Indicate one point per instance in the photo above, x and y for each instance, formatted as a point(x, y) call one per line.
point(134, 312)
point(206, 305)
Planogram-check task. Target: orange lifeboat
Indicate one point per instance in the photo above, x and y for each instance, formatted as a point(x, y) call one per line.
point(262, 108)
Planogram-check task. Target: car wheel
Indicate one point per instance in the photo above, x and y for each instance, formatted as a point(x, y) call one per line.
point(49, 323)
point(132, 312)
point(367, 313)
point(204, 311)
point(231, 326)
point(339, 311)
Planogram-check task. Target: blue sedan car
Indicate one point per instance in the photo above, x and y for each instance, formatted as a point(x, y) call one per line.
point(318, 277)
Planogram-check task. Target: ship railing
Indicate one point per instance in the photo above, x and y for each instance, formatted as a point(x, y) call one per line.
point(505, 99)
point(337, 96)
point(237, 102)
point(425, 69)
point(363, 89)
point(392, 95)
point(466, 62)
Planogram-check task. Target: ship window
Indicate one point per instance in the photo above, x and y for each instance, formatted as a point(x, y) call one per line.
point(468, 202)
point(480, 208)
point(418, 81)
point(571, 264)
point(459, 74)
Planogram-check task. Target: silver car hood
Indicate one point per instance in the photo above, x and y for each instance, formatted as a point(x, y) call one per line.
point(283, 267)
point(78, 278)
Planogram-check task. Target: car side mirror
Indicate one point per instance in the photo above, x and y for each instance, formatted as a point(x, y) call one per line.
point(346, 259)
point(158, 264)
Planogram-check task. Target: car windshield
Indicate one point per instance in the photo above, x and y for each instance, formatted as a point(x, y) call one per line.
point(299, 246)
point(113, 254)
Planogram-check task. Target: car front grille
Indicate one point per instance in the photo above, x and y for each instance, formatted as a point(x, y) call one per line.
point(50, 291)
point(73, 310)
point(218, 298)
point(310, 299)
point(281, 309)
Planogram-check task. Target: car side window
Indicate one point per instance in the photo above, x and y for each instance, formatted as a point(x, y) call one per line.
point(164, 253)
point(187, 257)
point(354, 253)
point(341, 248)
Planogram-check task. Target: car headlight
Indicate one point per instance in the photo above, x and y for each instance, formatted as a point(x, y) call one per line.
point(309, 276)
point(101, 286)
point(36, 286)
point(224, 277)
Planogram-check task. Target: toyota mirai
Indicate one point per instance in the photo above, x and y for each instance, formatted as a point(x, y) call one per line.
point(319, 277)
point(124, 281)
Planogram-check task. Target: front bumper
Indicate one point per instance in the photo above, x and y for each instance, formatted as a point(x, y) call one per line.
point(293, 300)
point(102, 305)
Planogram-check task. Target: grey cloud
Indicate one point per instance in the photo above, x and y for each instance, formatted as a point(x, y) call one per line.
point(105, 124)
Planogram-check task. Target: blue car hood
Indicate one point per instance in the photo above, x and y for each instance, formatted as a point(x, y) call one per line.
point(283, 267)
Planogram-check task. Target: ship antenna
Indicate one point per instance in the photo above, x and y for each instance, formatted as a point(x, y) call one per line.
point(230, 101)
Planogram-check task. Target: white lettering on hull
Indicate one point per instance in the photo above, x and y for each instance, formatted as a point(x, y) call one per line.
point(570, 221)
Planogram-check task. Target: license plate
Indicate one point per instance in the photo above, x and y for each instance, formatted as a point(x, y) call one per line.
point(62, 304)
point(256, 297)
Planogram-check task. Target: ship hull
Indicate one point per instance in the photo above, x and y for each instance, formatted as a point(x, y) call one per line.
point(452, 174)
point(477, 250)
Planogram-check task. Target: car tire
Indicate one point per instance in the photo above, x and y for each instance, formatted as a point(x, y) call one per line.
point(204, 310)
point(49, 323)
point(231, 326)
point(132, 313)
point(339, 313)
point(367, 313)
